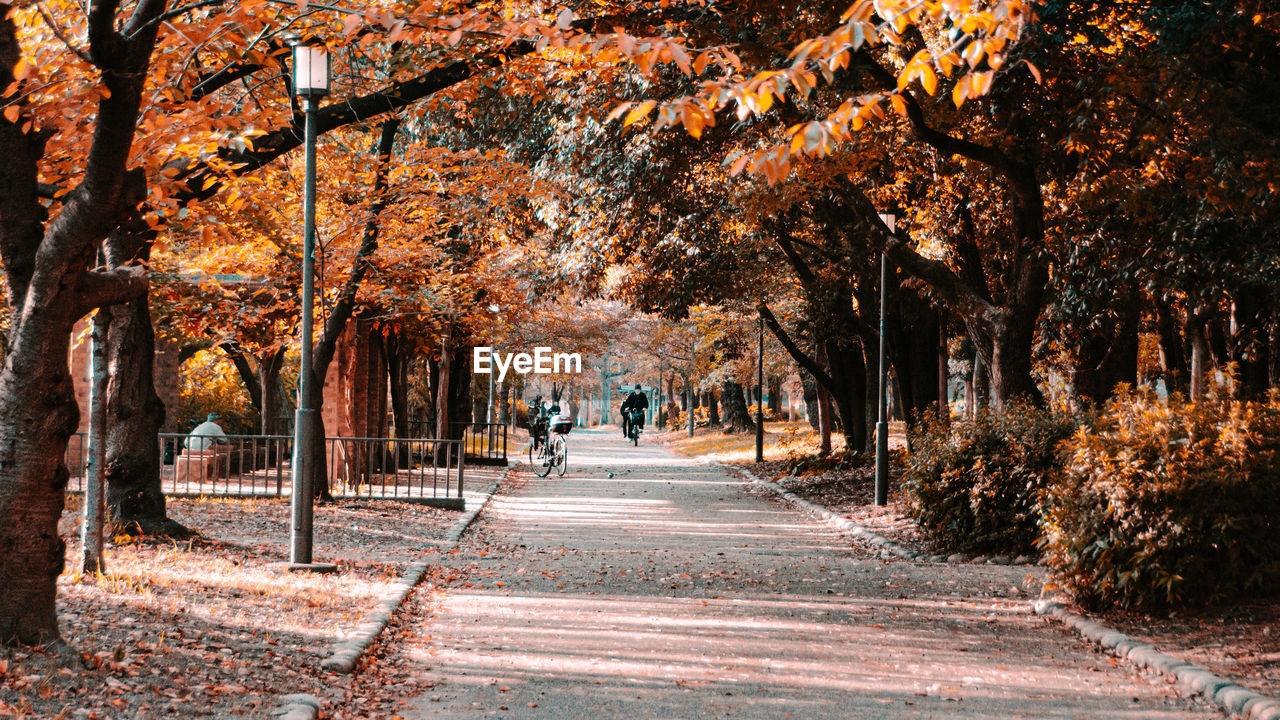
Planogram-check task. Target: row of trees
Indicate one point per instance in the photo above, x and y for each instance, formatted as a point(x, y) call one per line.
point(1113, 187)
point(1104, 186)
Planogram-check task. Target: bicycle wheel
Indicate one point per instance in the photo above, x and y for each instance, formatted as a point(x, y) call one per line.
point(558, 452)
point(543, 462)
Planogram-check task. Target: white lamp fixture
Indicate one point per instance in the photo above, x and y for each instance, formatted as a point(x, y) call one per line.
point(310, 70)
point(891, 221)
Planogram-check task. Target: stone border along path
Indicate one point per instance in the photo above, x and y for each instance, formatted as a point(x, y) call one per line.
point(1192, 679)
point(304, 706)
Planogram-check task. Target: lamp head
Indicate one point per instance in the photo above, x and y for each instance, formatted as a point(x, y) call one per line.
point(310, 70)
point(890, 220)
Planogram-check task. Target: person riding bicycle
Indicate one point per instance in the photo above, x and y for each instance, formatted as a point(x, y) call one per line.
point(635, 401)
point(540, 416)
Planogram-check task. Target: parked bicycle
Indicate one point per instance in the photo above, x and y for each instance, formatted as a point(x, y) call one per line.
point(547, 447)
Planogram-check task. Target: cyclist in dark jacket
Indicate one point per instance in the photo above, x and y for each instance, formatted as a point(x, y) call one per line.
point(635, 401)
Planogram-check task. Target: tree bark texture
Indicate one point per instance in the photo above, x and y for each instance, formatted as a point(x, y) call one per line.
point(51, 285)
point(736, 417)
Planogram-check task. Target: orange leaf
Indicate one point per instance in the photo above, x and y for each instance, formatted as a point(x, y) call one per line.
point(639, 113)
point(929, 80)
point(1035, 71)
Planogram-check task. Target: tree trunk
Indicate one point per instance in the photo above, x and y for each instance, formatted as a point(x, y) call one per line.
point(1251, 314)
point(443, 381)
point(980, 386)
point(504, 403)
point(775, 396)
point(809, 388)
point(459, 386)
point(1009, 365)
point(398, 389)
point(672, 409)
point(736, 417)
point(944, 370)
point(913, 352)
point(1110, 356)
point(135, 502)
point(1173, 349)
point(37, 416)
point(1195, 332)
point(135, 413)
point(50, 285)
point(824, 411)
point(849, 391)
point(844, 375)
point(713, 409)
point(271, 408)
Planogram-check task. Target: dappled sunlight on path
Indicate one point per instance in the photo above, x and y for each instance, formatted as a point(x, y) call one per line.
point(666, 591)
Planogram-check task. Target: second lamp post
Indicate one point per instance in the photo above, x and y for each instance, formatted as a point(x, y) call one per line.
point(882, 425)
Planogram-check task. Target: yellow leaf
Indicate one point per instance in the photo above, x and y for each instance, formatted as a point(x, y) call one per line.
point(700, 62)
point(981, 83)
point(618, 111)
point(765, 100)
point(692, 121)
point(959, 91)
point(899, 105)
point(929, 80)
point(797, 142)
point(639, 113)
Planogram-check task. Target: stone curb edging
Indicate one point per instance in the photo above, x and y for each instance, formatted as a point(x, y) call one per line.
point(861, 532)
point(298, 706)
point(1191, 678)
point(348, 651)
point(301, 706)
point(870, 536)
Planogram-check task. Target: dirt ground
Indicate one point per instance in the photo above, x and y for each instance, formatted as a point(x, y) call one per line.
point(212, 628)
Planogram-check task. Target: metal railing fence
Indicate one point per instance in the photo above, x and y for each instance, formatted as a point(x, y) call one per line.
point(260, 465)
point(484, 443)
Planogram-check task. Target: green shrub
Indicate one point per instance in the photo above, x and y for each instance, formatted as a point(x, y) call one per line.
point(1169, 504)
point(975, 485)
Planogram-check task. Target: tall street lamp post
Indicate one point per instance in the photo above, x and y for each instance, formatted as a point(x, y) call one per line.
point(690, 384)
point(489, 416)
point(310, 83)
point(760, 392)
point(882, 426)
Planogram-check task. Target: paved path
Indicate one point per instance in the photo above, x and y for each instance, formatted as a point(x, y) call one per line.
point(668, 591)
